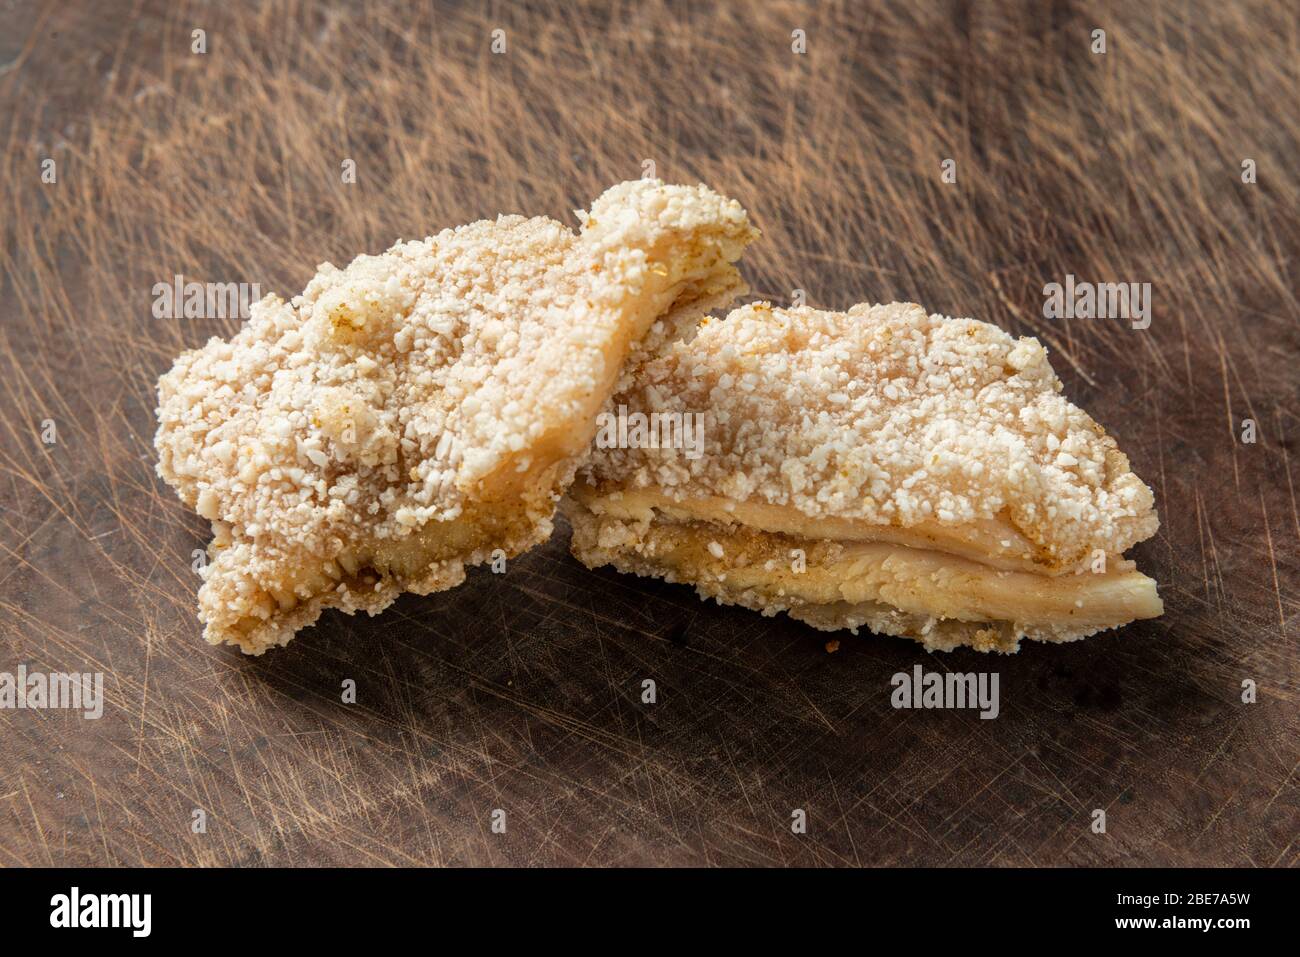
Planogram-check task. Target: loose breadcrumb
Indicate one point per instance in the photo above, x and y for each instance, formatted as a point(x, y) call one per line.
point(411, 414)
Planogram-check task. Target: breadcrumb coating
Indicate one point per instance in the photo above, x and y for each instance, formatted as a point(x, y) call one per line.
point(888, 416)
point(408, 415)
point(918, 475)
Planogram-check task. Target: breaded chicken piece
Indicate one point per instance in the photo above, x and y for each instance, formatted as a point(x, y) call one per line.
point(919, 475)
point(411, 414)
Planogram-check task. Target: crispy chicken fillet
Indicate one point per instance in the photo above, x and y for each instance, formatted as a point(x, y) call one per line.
point(914, 474)
point(417, 411)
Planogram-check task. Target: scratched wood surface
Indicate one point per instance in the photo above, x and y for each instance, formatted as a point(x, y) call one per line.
point(522, 692)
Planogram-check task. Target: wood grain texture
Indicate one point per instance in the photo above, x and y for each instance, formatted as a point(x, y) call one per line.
point(522, 692)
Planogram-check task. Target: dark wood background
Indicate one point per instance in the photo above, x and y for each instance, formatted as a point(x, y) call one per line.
point(522, 692)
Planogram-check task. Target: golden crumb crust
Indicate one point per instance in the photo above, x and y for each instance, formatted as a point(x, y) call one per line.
point(416, 411)
point(882, 467)
point(887, 416)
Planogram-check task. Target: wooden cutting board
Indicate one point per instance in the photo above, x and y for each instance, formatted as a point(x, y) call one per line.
point(522, 693)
